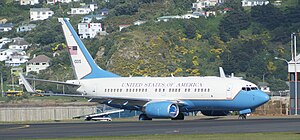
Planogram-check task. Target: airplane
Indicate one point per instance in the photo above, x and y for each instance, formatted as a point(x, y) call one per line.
point(159, 97)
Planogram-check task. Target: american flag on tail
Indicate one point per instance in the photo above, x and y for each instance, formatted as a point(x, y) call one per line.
point(73, 50)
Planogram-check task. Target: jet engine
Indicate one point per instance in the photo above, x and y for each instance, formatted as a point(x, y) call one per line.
point(214, 113)
point(163, 109)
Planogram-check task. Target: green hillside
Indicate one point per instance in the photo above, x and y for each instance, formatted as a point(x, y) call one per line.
point(244, 40)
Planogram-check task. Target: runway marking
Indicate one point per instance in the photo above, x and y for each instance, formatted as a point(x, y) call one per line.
point(20, 127)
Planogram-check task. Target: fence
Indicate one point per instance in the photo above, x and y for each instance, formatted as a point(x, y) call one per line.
point(44, 113)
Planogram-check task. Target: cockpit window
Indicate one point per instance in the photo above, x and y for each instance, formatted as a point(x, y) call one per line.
point(249, 88)
point(254, 88)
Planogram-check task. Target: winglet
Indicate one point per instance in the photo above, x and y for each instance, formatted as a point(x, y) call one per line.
point(26, 84)
point(222, 73)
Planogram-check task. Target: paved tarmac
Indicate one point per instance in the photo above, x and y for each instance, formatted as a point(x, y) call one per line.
point(117, 128)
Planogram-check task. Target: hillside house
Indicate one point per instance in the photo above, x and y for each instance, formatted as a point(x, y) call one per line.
point(26, 28)
point(139, 22)
point(4, 41)
point(29, 2)
point(86, 9)
point(16, 59)
point(2, 21)
point(200, 4)
point(89, 30)
point(19, 44)
point(16, 71)
point(61, 1)
point(40, 14)
point(104, 11)
point(36, 64)
point(6, 27)
point(189, 16)
point(89, 18)
point(5, 54)
point(167, 18)
point(250, 3)
point(121, 27)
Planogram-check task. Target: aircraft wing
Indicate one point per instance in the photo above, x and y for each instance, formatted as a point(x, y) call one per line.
point(105, 113)
point(28, 87)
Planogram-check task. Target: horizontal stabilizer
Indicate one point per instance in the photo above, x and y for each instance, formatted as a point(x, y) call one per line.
point(55, 82)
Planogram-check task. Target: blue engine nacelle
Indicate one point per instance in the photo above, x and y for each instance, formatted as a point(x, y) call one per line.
point(214, 113)
point(163, 109)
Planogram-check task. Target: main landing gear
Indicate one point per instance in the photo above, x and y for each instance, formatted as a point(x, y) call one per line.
point(144, 117)
point(243, 116)
point(180, 116)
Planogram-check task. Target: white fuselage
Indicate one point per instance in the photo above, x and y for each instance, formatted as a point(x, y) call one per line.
point(163, 88)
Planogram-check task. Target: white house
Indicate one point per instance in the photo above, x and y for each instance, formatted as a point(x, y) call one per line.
point(6, 27)
point(26, 28)
point(139, 22)
point(16, 60)
point(29, 2)
point(5, 54)
point(121, 27)
point(167, 18)
point(40, 13)
point(86, 9)
point(89, 18)
point(246, 3)
point(2, 21)
point(4, 41)
point(189, 16)
point(38, 63)
point(89, 30)
point(61, 1)
point(200, 4)
point(19, 44)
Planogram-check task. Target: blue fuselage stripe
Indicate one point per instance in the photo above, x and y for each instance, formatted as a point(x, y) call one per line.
point(243, 100)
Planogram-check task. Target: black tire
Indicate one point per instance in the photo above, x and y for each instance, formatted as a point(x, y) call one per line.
point(180, 116)
point(144, 117)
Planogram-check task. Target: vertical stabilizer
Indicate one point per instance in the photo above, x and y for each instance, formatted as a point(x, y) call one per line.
point(222, 73)
point(84, 65)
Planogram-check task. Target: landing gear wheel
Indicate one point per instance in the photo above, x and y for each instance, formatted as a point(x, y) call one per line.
point(144, 117)
point(180, 116)
point(243, 116)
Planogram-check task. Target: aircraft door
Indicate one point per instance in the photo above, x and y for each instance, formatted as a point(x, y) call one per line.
point(228, 92)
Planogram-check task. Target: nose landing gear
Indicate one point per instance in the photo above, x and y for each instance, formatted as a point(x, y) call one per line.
point(243, 116)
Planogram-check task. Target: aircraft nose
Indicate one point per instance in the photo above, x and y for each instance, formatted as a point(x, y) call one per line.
point(263, 97)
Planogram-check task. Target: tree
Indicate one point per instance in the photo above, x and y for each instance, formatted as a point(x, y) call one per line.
point(126, 9)
point(189, 29)
point(268, 16)
point(233, 23)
